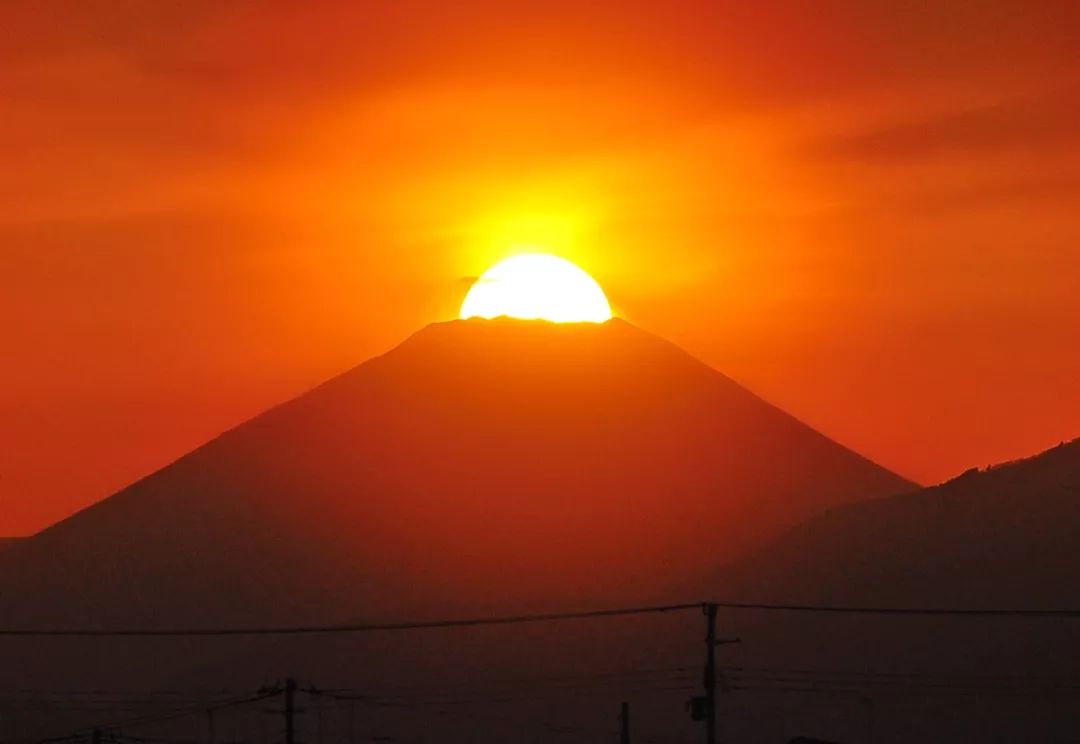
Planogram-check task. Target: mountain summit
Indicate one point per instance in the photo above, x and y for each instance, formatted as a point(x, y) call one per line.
point(481, 463)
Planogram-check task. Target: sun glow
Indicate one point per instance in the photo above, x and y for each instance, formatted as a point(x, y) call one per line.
point(537, 286)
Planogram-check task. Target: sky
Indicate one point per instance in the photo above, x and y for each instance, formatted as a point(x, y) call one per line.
point(866, 212)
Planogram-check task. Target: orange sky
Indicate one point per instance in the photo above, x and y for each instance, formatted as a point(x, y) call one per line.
point(867, 212)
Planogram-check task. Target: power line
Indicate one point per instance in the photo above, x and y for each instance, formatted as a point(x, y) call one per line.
point(928, 611)
point(544, 617)
point(898, 684)
point(440, 702)
point(813, 687)
point(187, 711)
point(359, 627)
point(519, 696)
point(915, 675)
point(484, 682)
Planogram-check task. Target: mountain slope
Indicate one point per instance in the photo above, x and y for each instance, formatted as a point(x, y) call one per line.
point(1005, 536)
point(480, 464)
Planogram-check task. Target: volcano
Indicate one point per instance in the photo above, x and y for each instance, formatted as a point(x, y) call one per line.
point(481, 464)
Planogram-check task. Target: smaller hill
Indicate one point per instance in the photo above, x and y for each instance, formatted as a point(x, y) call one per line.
point(1004, 536)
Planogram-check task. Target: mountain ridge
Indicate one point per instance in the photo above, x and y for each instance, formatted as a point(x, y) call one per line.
point(999, 536)
point(479, 464)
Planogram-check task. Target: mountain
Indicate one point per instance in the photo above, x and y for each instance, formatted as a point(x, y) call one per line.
point(478, 465)
point(501, 465)
point(1000, 537)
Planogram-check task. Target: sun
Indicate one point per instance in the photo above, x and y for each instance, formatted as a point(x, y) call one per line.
point(537, 286)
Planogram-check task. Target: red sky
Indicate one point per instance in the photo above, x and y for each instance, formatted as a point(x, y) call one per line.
point(867, 212)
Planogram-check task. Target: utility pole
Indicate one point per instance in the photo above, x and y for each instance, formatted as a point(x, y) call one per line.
point(624, 724)
point(290, 711)
point(710, 673)
point(705, 706)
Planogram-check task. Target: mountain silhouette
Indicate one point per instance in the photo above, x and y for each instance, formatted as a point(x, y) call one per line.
point(1004, 536)
point(1000, 538)
point(504, 465)
point(479, 465)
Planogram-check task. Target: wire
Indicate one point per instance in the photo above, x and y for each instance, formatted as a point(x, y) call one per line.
point(936, 676)
point(356, 628)
point(865, 681)
point(585, 686)
point(899, 684)
point(929, 611)
point(162, 695)
point(185, 711)
point(412, 702)
point(536, 618)
point(597, 677)
point(867, 692)
point(638, 680)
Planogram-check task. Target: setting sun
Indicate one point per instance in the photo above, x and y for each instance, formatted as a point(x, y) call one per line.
point(537, 286)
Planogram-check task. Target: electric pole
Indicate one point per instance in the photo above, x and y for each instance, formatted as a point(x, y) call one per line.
point(624, 724)
point(290, 694)
point(710, 673)
point(705, 706)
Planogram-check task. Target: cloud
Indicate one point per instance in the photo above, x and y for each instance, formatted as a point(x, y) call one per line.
point(1024, 124)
